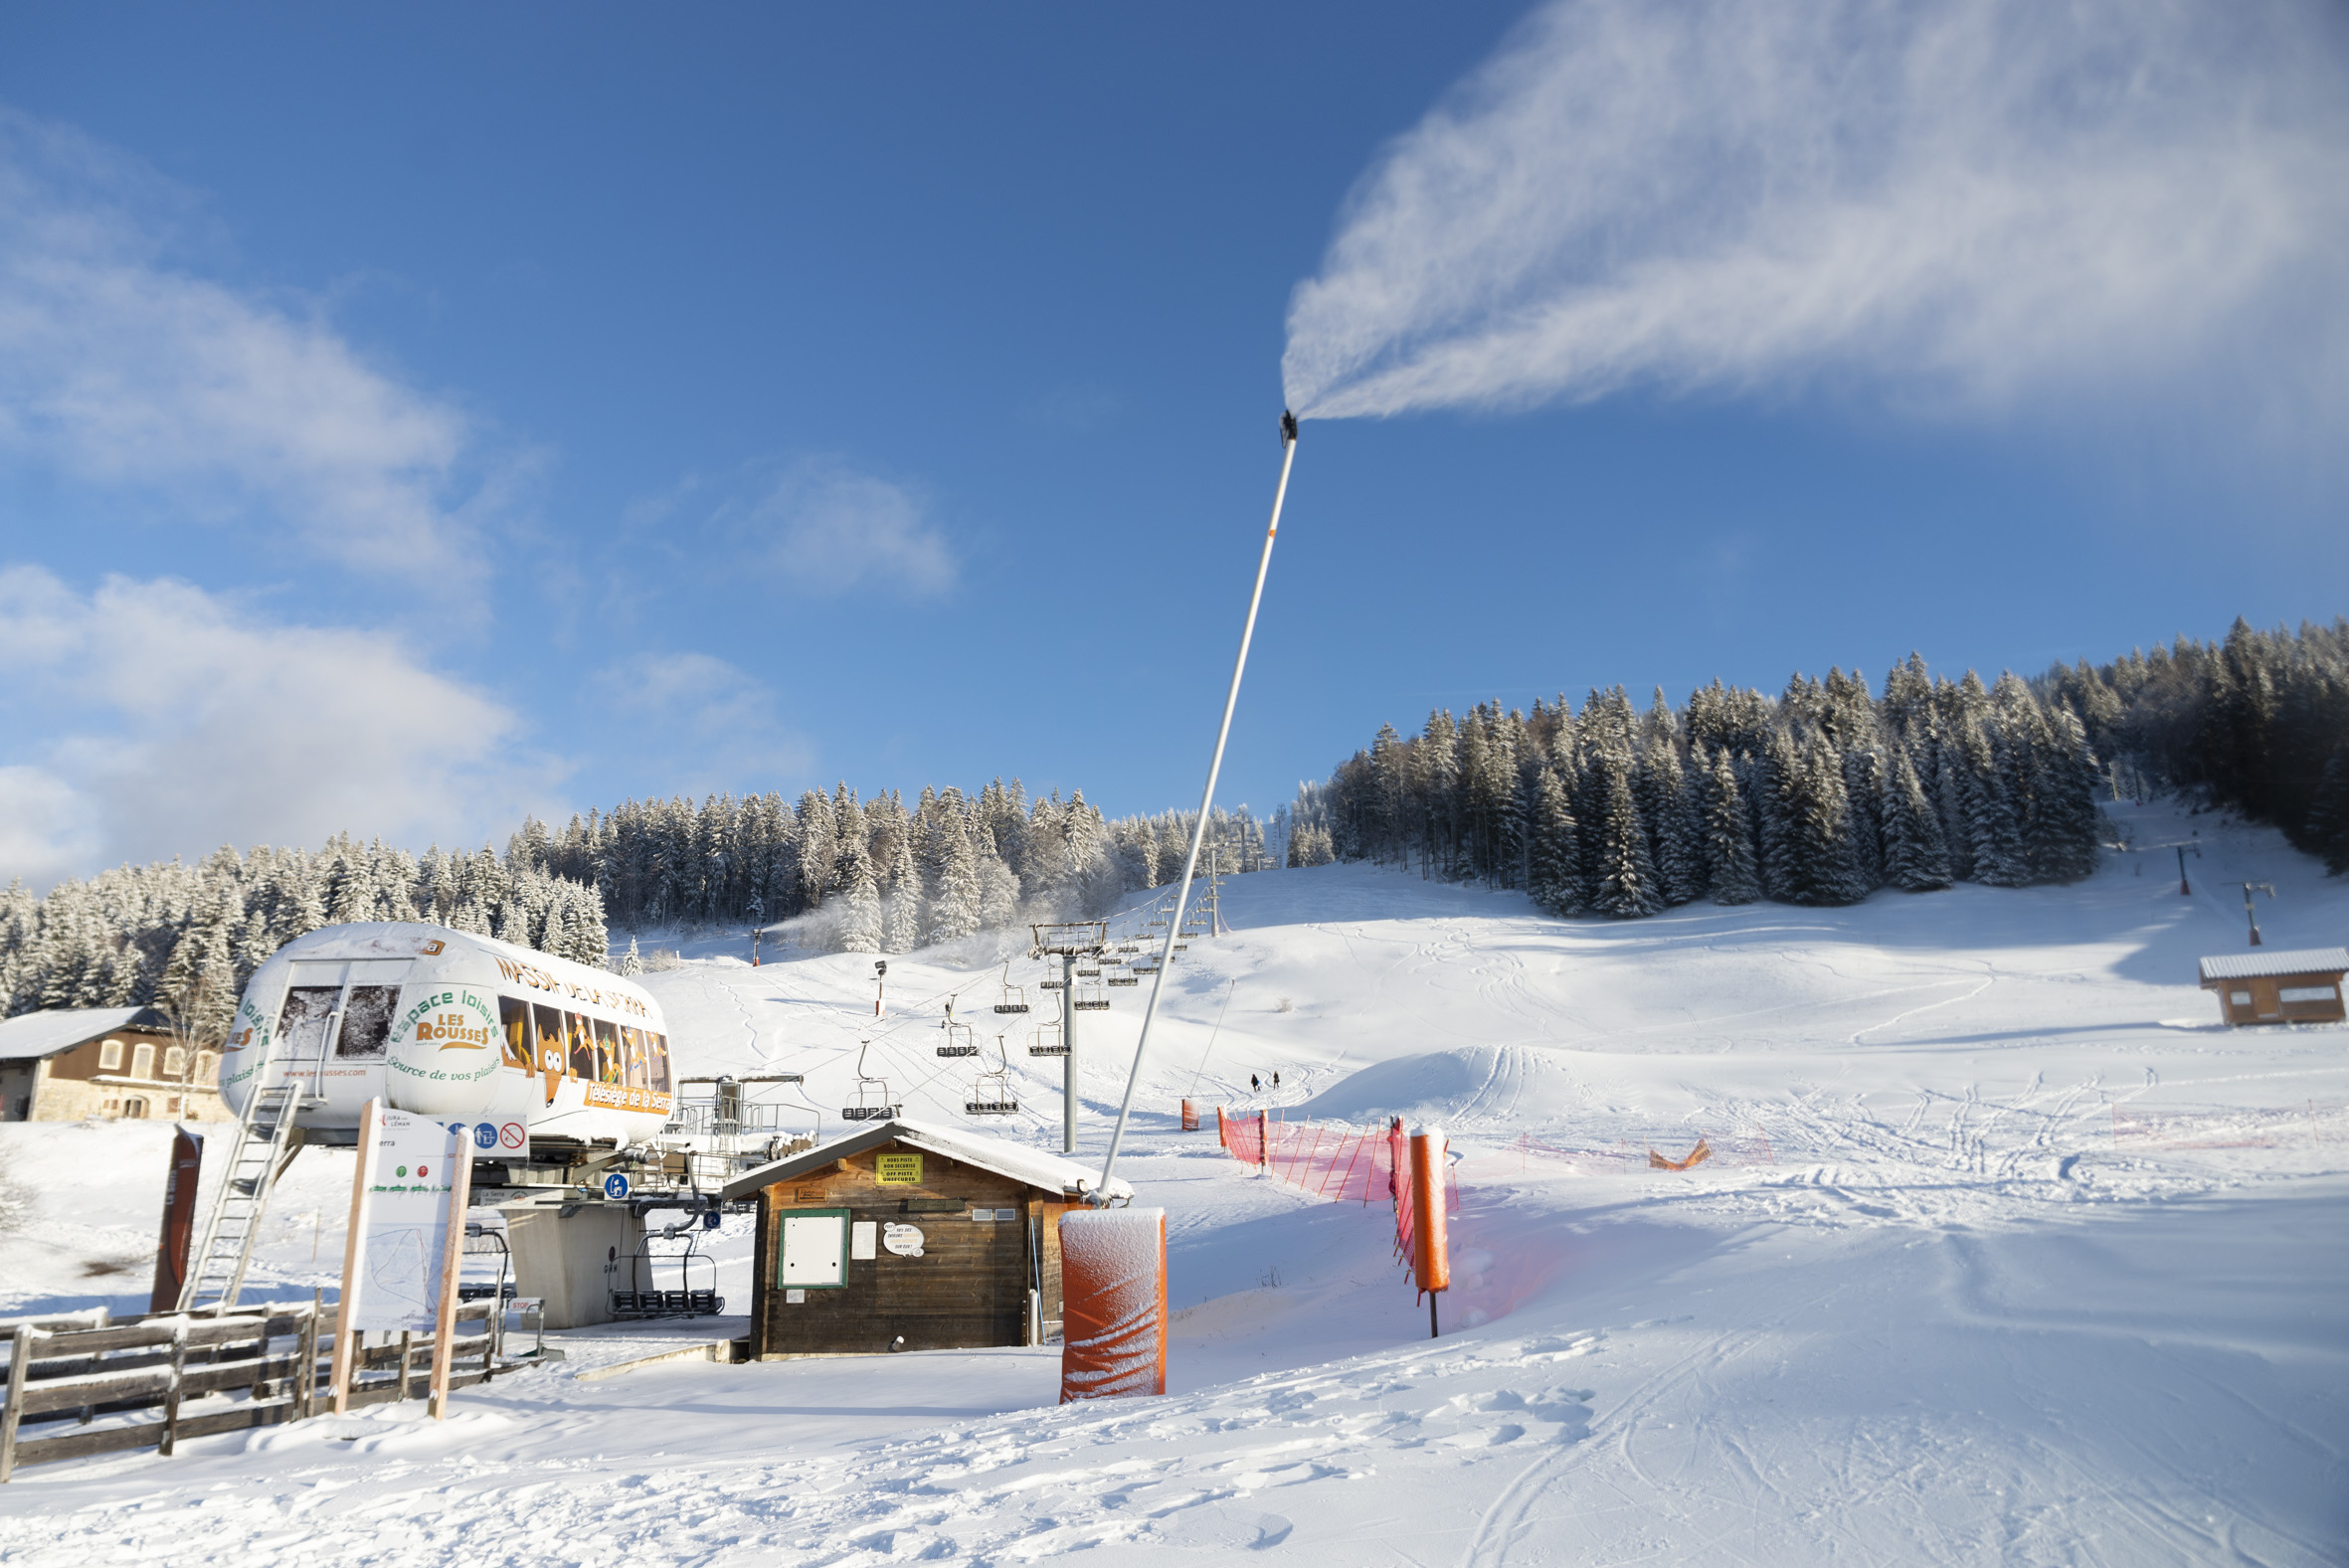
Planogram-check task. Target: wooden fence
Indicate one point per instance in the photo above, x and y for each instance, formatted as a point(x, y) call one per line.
point(146, 1382)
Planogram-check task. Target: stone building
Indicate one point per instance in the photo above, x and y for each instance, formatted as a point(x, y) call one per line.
point(66, 1064)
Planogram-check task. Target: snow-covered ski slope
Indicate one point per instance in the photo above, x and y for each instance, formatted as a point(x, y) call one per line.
point(2008, 1254)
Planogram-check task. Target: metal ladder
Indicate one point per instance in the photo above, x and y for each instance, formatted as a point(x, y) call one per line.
point(263, 1147)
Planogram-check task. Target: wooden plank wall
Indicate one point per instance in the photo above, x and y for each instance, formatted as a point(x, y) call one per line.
point(968, 1288)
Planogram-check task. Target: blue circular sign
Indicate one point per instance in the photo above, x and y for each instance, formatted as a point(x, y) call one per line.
point(615, 1185)
point(710, 1219)
point(486, 1135)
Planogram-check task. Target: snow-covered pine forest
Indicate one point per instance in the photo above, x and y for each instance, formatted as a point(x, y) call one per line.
point(874, 875)
point(2258, 724)
point(1827, 792)
point(1819, 795)
point(186, 938)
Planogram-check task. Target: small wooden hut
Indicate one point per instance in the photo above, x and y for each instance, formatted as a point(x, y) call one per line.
point(906, 1236)
point(2303, 986)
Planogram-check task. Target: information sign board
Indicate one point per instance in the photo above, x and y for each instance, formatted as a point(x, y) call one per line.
point(403, 1233)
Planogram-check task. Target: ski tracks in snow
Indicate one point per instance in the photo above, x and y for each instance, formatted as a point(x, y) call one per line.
point(1205, 1474)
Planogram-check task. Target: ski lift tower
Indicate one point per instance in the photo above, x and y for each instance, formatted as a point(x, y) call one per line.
point(1069, 941)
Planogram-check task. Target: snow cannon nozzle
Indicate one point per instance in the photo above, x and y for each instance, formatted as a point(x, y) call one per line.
point(1287, 428)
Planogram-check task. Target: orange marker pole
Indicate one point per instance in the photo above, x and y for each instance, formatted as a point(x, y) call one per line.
point(1432, 1260)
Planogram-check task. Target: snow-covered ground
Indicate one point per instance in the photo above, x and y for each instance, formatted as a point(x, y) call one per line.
point(2010, 1254)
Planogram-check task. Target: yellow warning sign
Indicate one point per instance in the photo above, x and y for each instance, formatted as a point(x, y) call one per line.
point(898, 1170)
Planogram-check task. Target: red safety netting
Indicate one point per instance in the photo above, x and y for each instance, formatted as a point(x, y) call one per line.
point(1329, 1160)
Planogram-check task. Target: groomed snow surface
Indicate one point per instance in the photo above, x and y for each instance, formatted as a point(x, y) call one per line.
point(2008, 1254)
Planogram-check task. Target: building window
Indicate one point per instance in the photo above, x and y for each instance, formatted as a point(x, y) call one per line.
point(109, 1057)
point(2308, 993)
point(142, 1060)
point(172, 1106)
point(367, 1021)
point(205, 1063)
point(2240, 998)
point(175, 1060)
point(134, 1107)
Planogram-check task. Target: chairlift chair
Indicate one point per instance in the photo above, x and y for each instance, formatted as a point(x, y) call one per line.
point(872, 1094)
point(991, 1094)
point(1047, 1040)
point(1014, 996)
point(695, 1299)
point(959, 1039)
point(1092, 998)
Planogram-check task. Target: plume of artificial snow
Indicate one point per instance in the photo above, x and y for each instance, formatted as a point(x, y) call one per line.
point(1958, 202)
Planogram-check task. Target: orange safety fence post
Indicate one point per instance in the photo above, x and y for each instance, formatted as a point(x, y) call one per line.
point(1322, 1187)
point(1113, 1270)
point(1398, 1182)
point(1431, 1256)
point(1353, 1159)
point(1222, 1133)
point(1191, 1116)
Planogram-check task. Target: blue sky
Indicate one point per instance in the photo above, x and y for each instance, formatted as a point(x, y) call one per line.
point(423, 415)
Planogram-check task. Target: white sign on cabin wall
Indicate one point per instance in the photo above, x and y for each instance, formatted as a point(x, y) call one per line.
point(903, 1240)
point(815, 1252)
point(404, 1218)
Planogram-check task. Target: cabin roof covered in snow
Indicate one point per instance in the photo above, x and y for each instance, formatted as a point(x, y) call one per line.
point(2271, 966)
point(34, 1035)
point(1034, 1167)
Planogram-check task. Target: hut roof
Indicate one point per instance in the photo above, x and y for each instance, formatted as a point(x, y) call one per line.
point(2269, 966)
point(34, 1035)
point(1032, 1166)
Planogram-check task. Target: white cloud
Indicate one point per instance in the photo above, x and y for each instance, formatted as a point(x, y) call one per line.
point(125, 371)
point(169, 721)
point(830, 529)
point(716, 724)
point(1957, 202)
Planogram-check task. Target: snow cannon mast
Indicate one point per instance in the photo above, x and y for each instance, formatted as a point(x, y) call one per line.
point(1198, 831)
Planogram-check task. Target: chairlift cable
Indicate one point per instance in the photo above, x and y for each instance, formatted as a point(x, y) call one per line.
point(1211, 1034)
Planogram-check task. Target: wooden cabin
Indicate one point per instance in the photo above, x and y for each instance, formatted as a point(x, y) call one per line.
point(907, 1236)
point(2303, 986)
